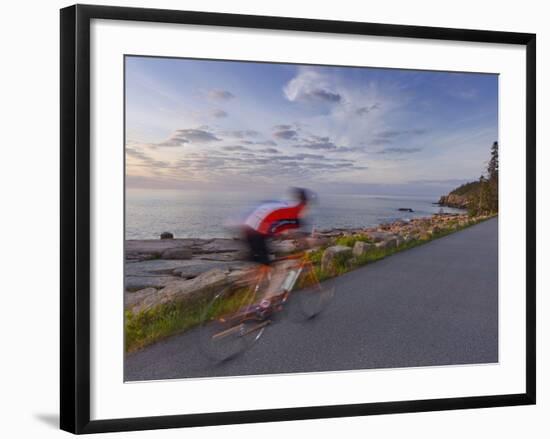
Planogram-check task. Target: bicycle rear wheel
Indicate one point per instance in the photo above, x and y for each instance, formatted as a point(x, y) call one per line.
point(230, 325)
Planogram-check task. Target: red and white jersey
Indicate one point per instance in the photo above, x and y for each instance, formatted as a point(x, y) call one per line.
point(274, 217)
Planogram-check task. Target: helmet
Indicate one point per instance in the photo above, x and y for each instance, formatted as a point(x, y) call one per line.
point(303, 195)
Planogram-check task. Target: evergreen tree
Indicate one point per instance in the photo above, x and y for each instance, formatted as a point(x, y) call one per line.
point(492, 171)
point(483, 199)
point(492, 167)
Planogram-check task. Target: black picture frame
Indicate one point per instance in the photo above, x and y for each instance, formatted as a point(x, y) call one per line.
point(75, 217)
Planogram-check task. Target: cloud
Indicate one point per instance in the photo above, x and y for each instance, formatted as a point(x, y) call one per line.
point(219, 113)
point(285, 134)
point(362, 111)
point(326, 145)
point(266, 143)
point(317, 143)
point(399, 150)
point(173, 141)
point(182, 136)
point(241, 134)
point(221, 95)
point(390, 134)
point(236, 148)
point(270, 151)
point(322, 94)
point(335, 166)
point(219, 167)
point(387, 136)
point(146, 160)
point(350, 149)
point(302, 156)
point(259, 142)
point(311, 86)
point(132, 152)
point(378, 142)
point(282, 127)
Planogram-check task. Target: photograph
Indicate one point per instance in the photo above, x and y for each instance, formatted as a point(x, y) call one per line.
point(295, 218)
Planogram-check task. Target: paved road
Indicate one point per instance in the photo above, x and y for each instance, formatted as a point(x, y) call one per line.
point(436, 304)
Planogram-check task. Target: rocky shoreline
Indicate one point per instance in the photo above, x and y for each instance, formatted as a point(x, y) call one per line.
point(454, 200)
point(171, 270)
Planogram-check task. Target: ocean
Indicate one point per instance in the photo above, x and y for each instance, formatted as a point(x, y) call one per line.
point(201, 214)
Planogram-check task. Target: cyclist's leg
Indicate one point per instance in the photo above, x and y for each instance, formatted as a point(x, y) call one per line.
point(257, 246)
point(278, 272)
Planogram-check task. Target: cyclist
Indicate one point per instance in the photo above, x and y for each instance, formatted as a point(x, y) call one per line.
point(271, 219)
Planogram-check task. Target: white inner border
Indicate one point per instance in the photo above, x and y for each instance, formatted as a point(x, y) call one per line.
point(111, 398)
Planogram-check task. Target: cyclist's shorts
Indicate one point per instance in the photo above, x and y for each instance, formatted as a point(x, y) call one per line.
point(257, 246)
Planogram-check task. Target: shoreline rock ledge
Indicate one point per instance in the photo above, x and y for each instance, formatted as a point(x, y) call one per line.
point(453, 200)
point(334, 254)
point(159, 271)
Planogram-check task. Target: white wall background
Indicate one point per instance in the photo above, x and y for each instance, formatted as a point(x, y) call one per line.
point(29, 236)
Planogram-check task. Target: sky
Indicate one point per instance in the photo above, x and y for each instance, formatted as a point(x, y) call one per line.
point(227, 125)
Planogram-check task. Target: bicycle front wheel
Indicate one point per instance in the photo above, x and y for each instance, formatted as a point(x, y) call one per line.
point(229, 325)
point(314, 298)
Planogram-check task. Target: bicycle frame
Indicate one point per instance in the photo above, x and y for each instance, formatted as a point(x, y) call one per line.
point(304, 264)
point(248, 315)
point(261, 273)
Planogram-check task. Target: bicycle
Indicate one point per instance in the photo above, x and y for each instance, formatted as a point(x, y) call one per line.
point(236, 318)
